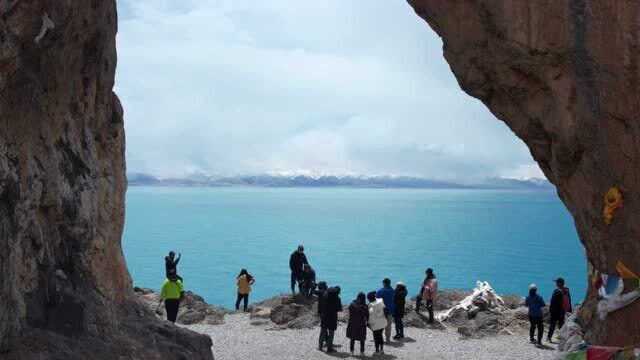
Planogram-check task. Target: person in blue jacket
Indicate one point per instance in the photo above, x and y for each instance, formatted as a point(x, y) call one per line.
point(387, 294)
point(535, 303)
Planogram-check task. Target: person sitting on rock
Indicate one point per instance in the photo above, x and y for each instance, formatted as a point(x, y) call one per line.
point(399, 301)
point(297, 260)
point(172, 293)
point(377, 320)
point(357, 326)
point(244, 282)
point(430, 292)
point(329, 316)
point(559, 306)
point(535, 303)
point(171, 264)
point(387, 294)
point(308, 283)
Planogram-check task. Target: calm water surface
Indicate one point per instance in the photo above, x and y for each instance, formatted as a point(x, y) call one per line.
point(353, 238)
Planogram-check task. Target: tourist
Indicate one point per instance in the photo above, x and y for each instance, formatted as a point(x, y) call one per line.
point(387, 294)
point(171, 293)
point(377, 320)
point(329, 317)
point(308, 283)
point(357, 327)
point(559, 306)
point(399, 303)
point(296, 264)
point(535, 303)
point(171, 264)
point(430, 292)
point(244, 282)
point(320, 292)
point(419, 296)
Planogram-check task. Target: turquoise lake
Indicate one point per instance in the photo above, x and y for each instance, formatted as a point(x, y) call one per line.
point(353, 238)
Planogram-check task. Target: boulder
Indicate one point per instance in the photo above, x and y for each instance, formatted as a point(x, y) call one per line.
point(283, 314)
point(260, 313)
point(193, 308)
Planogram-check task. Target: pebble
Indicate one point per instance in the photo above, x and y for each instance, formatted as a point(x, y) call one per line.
point(238, 339)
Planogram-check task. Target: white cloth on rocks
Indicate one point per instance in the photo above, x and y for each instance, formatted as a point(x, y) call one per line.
point(483, 292)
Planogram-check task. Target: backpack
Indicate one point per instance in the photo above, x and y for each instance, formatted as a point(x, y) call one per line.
point(566, 300)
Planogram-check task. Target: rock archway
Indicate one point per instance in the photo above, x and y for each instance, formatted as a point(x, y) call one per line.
point(564, 75)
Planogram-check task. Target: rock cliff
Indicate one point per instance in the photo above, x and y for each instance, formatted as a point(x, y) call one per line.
point(564, 75)
point(65, 289)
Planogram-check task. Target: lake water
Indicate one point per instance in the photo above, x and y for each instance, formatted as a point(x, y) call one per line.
point(353, 238)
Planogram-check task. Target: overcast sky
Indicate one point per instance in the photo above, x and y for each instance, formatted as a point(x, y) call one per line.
point(288, 86)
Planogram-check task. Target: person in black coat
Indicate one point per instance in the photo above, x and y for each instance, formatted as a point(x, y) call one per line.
point(398, 313)
point(171, 265)
point(329, 316)
point(358, 318)
point(559, 306)
point(297, 260)
point(308, 283)
point(320, 293)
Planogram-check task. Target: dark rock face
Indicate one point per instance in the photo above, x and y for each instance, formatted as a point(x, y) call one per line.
point(564, 76)
point(65, 288)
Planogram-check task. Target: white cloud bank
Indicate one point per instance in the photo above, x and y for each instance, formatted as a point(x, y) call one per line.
point(333, 86)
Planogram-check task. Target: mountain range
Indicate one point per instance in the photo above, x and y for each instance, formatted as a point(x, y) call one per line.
point(141, 179)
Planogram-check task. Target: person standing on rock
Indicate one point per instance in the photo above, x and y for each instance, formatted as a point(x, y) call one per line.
point(377, 320)
point(171, 264)
point(244, 282)
point(430, 292)
point(559, 306)
point(172, 293)
point(387, 294)
point(329, 317)
point(297, 260)
point(357, 327)
point(399, 302)
point(535, 303)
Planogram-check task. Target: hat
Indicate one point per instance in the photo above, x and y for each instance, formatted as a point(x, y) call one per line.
point(533, 286)
point(400, 283)
point(559, 280)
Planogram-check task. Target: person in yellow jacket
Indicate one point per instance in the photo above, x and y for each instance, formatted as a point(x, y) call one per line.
point(172, 293)
point(244, 282)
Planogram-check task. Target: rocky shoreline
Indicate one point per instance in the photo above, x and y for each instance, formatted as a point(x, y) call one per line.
point(473, 314)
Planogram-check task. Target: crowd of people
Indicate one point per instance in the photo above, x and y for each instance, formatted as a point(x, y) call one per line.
point(385, 307)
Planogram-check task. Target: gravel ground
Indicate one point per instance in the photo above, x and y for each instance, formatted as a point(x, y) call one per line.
point(238, 339)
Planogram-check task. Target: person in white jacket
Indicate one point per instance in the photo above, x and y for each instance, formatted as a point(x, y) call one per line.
point(377, 320)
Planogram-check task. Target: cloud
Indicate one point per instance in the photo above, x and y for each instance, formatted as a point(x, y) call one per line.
point(336, 86)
